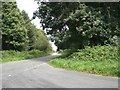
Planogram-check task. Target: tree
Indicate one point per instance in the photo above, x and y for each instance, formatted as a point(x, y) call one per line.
point(30, 28)
point(18, 33)
point(37, 38)
point(14, 33)
point(79, 24)
point(41, 41)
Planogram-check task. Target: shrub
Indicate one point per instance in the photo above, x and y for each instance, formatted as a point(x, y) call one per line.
point(97, 53)
point(12, 55)
point(97, 60)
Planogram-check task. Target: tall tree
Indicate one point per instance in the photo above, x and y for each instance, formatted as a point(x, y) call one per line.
point(37, 38)
point(30, 28)
point(14, 33)
point(79, 24)
point(18, 33)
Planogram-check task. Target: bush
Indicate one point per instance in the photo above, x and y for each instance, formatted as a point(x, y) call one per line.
point(97, 53)
point(97, 60)
point(66, 52)
point(13, 55)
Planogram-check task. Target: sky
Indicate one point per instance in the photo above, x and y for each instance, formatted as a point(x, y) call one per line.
point(30, 6)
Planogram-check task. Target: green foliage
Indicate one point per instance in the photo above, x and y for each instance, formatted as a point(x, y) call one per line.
point(83, 24)
point(97, 53)
point(37, 38)
point(96, 60)
point(18, 33)
point(115, 40)
point(14, 33)
point(66, 52)
point(107, 68)
point(12, 55)
point(41, 41)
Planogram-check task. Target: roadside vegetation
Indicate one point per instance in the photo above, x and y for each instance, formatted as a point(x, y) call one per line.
point(12, 55)
point(87, 33)
point(101, 60)
point(20, 38)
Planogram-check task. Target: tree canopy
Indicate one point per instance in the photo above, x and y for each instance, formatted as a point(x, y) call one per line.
point(18, 33)
point(13, 27)
point(75, 25)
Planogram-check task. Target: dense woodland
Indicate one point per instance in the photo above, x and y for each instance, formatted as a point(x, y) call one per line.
point(76, 25)
point(18, 33)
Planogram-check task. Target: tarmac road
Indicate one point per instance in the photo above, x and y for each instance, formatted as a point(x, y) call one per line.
point(36, 73)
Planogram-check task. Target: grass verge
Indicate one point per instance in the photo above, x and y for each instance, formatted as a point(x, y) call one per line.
point(102, 60)
point(12, 55)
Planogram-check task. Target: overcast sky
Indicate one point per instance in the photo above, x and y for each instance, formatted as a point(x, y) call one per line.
point(29, 6)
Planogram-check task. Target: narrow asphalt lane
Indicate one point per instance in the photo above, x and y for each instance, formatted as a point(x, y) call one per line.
point(36, 73)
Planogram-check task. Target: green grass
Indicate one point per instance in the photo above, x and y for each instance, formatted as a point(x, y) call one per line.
point(101, 60)
point(12, 55)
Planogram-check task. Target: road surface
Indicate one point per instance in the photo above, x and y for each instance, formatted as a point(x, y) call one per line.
point(36, 73)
